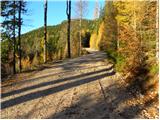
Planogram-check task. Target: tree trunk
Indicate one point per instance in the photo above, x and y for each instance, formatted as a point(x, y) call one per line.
point(80, 35)
point(68, 12)
point(45, 31)
point(14, 39)
point(19, 35)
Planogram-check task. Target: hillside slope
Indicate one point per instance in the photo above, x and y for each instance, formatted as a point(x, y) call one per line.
point(32, 45)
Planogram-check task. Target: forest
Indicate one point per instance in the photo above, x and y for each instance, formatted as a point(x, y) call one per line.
point(124, 34)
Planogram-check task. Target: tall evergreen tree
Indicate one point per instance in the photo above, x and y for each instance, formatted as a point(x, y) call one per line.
point(68, 12)
point(10, 24)
point(19, 34)
point(14, 37)
point(21, 9)
point(45, 31)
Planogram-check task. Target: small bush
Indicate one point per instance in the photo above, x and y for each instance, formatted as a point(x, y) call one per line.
point(120, 63)
point(154, 69)
point(116, 59)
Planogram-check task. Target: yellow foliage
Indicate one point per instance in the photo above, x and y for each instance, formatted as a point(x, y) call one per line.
point(100, 34)
point(83, 32)
point(26, 63)
point(93, 41)
point(36, 60)
point(96, 39)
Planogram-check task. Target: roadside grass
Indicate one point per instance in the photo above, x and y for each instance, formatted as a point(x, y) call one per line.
point(116, 59)
point(145, 76)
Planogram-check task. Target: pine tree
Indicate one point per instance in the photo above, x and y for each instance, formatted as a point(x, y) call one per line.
point(10, 25)
point(19, 34)
point(14, 37)
point(68, 12)
point(45, 31)
point(21, 10)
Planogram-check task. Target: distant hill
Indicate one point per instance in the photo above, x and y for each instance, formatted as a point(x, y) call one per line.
point(32, 43)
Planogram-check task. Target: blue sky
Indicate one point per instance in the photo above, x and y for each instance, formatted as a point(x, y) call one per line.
point(56, 13)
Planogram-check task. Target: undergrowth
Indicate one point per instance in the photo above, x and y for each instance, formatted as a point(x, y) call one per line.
point(116, 59)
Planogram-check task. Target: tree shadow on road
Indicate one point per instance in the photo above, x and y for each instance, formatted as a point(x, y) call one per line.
point(73, 82)
point(71, 78)
point(67, 66)
point(116, 105)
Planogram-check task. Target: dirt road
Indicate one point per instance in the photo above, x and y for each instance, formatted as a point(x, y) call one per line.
point(84, 87)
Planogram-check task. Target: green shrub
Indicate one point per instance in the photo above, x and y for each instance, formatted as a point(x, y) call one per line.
point(154, 69)
point(117, 59)
point(120, 63)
